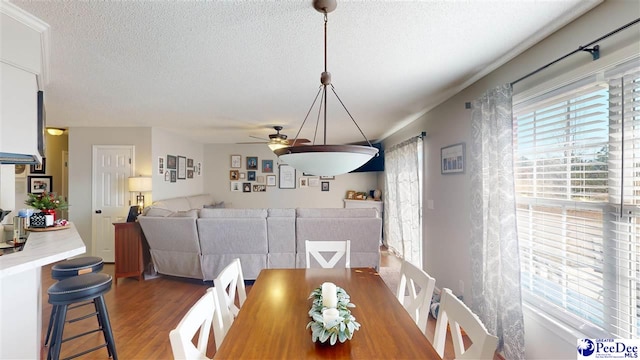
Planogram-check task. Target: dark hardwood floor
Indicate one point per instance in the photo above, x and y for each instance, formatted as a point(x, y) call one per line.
point(143, 313)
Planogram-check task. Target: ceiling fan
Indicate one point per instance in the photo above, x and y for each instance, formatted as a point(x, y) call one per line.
point(277, 140)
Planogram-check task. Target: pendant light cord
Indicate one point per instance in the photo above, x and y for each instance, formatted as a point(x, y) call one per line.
point(326, 81)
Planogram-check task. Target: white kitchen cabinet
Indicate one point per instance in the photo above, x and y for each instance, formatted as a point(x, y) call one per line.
point(19, 111)
point(23, 59)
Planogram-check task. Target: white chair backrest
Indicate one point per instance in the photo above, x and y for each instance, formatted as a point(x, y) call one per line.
point(456, 314)
point(229, 282)
point(202, 316)
point(417, 303)
point(338, 248)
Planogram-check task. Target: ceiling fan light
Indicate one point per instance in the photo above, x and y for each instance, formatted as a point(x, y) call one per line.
point(276, 145)
point(326, 160)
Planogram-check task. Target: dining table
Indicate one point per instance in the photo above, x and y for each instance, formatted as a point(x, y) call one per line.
point(272, 322)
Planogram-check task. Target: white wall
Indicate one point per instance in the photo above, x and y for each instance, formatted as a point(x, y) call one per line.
point(81, 141)
point(447, 226)
point(216, 173)
point(165, 143)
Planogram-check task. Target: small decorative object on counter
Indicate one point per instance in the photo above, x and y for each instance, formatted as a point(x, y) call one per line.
point(47, 203)
point(38, 220)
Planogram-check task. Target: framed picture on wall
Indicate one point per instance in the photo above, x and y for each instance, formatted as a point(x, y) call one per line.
point(267, 166)
point(236, 186)
point(246, 187)
point(171, 162)
point(182, 167)
point(39, 168)
point(39, 184)
point(252, 163)
point(190, 163)
point(287, 177)
point(452, 159)
point(236, 161)
point(160, 165)
point(325, 186)
point(271, 180)
point(173, 175)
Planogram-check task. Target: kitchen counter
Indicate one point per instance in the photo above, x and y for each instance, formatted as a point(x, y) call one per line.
point(21, 289)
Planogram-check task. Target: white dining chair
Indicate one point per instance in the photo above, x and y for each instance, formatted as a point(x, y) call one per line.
point(416, 302)
point(229, 282)
point(202, 316)
point(456, 314)
point(338, 248)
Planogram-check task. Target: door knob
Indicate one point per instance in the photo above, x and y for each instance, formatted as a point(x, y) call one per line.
point(98, 211)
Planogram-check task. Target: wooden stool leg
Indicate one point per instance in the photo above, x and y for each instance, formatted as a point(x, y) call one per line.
point(106, 327)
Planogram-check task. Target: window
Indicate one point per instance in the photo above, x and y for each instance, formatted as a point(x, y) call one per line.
point(577, 174)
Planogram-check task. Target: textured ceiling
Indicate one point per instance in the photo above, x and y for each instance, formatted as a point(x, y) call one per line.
point(220, 71)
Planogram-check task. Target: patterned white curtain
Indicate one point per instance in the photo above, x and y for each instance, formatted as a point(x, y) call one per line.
point(402, 200)
point(495, 287)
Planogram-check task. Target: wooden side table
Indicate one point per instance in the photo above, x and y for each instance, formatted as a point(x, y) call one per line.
point(129, 254)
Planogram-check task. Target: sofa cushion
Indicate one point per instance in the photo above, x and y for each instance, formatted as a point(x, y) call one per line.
point(193, 213)
point(276, 212)
point(336, 213)
point(155, 211)
point(233, 213)
point(199, 201)
point(173, 204)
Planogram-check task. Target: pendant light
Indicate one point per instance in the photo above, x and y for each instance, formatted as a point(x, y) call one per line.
point(326, 160)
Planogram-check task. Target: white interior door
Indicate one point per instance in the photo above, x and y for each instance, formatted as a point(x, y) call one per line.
point(112, 165)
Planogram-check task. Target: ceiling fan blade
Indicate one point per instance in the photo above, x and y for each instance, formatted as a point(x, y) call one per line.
point(252, 142)
point(298, 142)
point(259, 138)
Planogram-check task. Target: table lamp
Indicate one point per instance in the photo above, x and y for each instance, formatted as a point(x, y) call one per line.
point(140, 184)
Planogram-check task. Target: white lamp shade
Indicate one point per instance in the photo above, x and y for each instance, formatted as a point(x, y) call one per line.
point(140, 184)
point(326, 160)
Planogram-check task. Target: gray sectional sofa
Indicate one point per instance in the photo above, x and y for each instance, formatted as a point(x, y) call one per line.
point(194, 237)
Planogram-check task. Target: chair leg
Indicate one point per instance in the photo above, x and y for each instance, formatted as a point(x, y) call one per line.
point(106, 327)
point(58, 329)
point(50, 327)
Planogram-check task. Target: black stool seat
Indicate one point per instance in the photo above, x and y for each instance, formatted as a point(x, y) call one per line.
point(77, 289)
point(78, 266)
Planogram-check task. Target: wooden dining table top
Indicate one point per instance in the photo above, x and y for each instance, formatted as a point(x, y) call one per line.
point(272, 322)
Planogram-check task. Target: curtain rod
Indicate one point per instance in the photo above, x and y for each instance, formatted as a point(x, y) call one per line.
point(595, 51)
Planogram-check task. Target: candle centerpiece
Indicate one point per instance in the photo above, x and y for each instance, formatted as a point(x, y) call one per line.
point(331, 318)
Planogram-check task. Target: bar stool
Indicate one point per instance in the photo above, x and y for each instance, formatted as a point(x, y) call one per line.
point(86, 287)
point(68, 268)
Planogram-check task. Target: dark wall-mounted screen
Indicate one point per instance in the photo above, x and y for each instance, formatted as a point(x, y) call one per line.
point(376, 163)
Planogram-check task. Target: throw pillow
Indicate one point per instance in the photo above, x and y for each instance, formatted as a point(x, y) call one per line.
point(218, 205)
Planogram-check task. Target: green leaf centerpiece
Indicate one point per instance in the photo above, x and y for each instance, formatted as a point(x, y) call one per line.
point(337, 324)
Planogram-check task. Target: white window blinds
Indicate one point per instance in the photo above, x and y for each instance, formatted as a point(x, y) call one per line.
point(579, 250)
